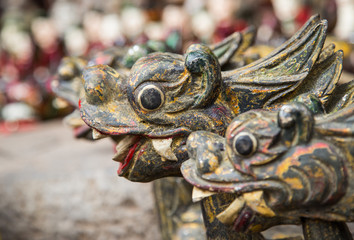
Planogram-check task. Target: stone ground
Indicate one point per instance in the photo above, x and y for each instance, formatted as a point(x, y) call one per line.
point(53, 186)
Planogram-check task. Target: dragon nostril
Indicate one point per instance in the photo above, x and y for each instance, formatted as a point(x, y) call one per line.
point(207, 161)
point(99, 83)
point(219, 146)
point(94, 93)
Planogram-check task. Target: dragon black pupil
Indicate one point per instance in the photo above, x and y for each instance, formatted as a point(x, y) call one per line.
point(244, 145)
point(150, 98)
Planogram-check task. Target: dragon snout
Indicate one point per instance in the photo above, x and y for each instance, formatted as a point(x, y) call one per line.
point(66, 71)
point(205, 150)
point(70, 67)
point(100, 84)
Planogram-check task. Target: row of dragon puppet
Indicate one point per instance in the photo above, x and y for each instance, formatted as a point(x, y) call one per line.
point(263, 141)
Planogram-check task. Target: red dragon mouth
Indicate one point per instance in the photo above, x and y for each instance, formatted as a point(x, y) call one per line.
point(126, 147)
point(244, 220)
point(123, 165)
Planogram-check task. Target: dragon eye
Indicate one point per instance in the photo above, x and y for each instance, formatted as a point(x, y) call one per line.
point(150, 98)
point(245, 144)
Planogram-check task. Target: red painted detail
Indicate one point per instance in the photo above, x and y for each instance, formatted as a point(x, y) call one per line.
point(300, 150)
point(222, 109)
point(79, 103)
point(141, 152)
point(132, 123)
point(127, 158)
point(321, 145)
point(244, 220)
point(103, 59)
point(168, 167)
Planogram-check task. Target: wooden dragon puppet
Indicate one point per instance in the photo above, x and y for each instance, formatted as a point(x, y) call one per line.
point(289, 163)
point(151, 109)
point(151, 112)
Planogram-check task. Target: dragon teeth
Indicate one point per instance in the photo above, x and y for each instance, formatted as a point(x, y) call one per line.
point(123, 147)
point(229, 215)
point(198, 194)
point(163, 148)
point(97, 135)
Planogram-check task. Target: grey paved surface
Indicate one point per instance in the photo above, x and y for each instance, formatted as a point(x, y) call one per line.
point(55, 187)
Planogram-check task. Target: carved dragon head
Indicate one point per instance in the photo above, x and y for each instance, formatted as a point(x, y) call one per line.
point(151, 112)
point(279, 163)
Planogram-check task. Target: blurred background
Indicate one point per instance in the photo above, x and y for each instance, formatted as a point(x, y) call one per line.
point(36, 34)
point(55, 187)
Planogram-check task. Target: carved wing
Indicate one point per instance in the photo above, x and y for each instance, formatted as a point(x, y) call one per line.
point(338, 124)
point(233, 45)
point(322, 79)
point(342, 96)
point(263, 82)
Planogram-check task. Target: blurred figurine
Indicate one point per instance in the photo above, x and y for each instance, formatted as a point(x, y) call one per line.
point(223, 13)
